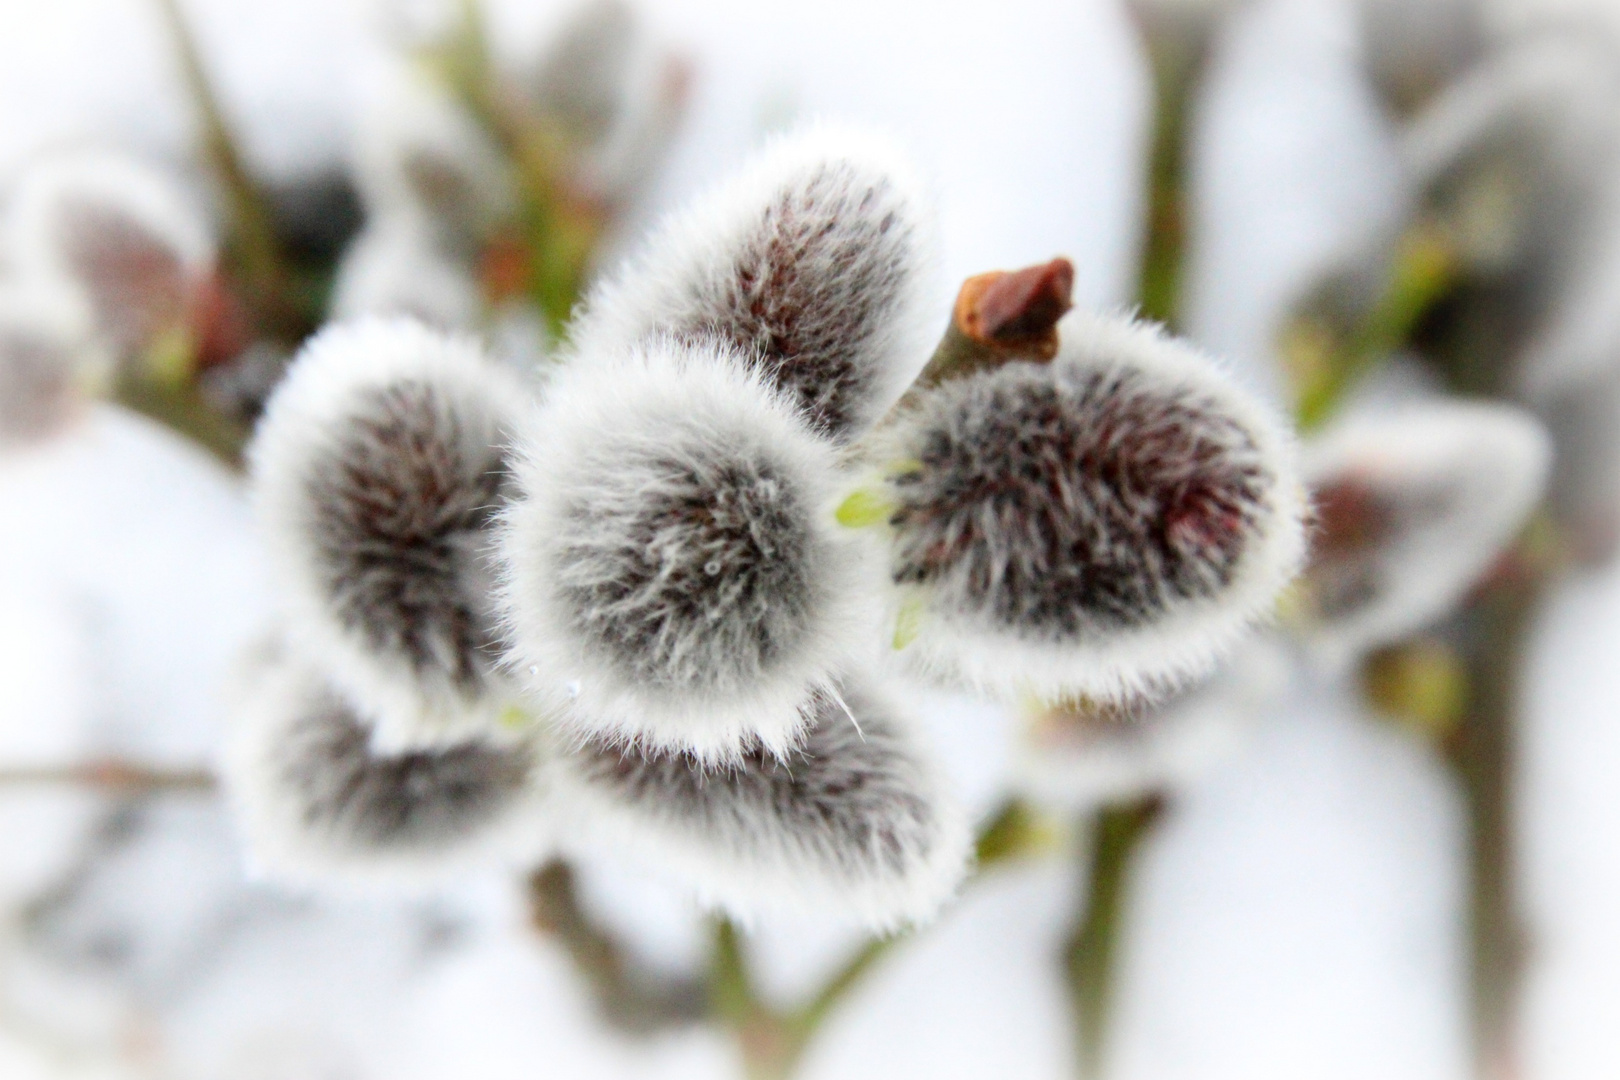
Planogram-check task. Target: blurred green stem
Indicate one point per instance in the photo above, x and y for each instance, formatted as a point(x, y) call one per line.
point(630, 999)
point(179, 406)
point(1326, 361)
point(252, 250)
point(1484, 756)
point(1176, 54)
point(559, 228)
point(1092, 951)
point(773, 1041)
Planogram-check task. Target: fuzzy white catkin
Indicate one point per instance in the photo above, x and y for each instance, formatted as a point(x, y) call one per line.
point(671, 569)
point(118, 233)
point(376, 472)
point(817, 261)
point(854, 823)
point(1425, 497)
point(48, 361)
point(393, 268)
point(1073, 762)
point(422, 163)
point(1108, 524)
point(318, 803)
point(1522, 154)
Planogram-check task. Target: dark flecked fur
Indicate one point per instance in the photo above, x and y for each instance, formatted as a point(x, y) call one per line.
point(420, 799)
point(811, 289)
point(1073, 500)
point(851, 800)
point(402, 501)
point(695, 574)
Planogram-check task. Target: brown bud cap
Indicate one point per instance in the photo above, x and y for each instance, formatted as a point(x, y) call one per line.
point(1018, 310)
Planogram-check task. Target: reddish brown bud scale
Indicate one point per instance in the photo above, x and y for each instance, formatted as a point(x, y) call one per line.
point(1018, 309)
point(218, 321)
point(504, 268)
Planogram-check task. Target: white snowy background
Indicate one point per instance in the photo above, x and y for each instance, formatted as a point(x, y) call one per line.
point(1296, 916)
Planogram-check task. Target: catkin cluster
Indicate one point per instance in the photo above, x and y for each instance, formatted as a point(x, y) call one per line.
point(625, 602)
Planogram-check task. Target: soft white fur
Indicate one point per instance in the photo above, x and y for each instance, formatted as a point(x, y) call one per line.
point(1553, 94)
point(630, 399)
point(312, 402)
point(1186, 642)
point(55, 319)
point(792, 874)
point(272, 685)
point(1490, 462)
point(695, 246)
point(403, 115)
point(392, 268)
point(134, 189)
point(634, 75)
point(1165, 748)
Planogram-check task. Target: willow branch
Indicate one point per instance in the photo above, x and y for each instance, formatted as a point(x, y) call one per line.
point(253, 246)
point(110, 774)
point(774, 1041)
point(998, 317)
point(181, 407)
point(630, 998)
point(1092, 951)
point(559, 225)
point(1327, 360)
point(1177, 46)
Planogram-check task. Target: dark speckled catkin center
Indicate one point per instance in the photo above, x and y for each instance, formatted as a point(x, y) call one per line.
point(402, 503)
point(1067, 500)
point(419, 799)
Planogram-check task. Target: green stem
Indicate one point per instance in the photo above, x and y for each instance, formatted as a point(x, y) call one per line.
point(180, 406)
point(1327, 363)
point(252, 247)
point(769, 1046)
point(809, 1019)
point(1484, 756)
point(774, 1042)
point(1093, 949)
point(1177, 60)
point(558, 227)
point(631, 1000)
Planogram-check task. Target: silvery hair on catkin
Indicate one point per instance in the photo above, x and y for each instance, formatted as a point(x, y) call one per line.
point(120, 234)
point(1411, 507)
point(1077, 755)
point(48, 359)
point(853, 823)
point(421, 161)
point(319, 803)
point(377, 473)
point(1106, 524)
point(816, 261)
point(671, 569)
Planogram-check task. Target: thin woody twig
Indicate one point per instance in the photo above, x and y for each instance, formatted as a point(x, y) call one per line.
point(630, 998)
point(252, 242)
point(1092, 951)
point(998, 317)
point(774, 1041)
point(110, 774)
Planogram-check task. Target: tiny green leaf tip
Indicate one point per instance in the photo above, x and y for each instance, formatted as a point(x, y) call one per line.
point(908, 622)
point(863, 509)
